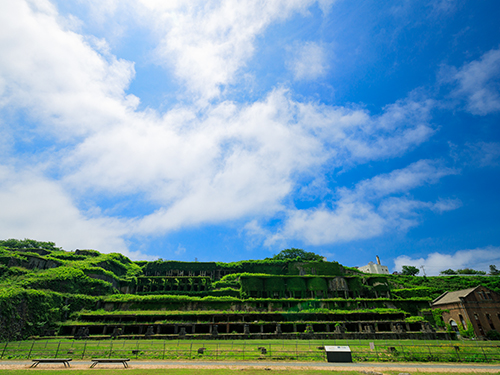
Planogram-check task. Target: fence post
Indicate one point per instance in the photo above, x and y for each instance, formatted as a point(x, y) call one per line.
point(4, 348)
point(163, 357)
point(404, 353)
point(84, 347)
point(457, 348)
point(486, 358)
point(57, 351)
point(32, 344)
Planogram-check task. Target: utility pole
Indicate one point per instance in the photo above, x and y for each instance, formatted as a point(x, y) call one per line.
point(423, 270)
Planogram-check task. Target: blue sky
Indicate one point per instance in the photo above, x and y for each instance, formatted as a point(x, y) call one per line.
point(229, 130)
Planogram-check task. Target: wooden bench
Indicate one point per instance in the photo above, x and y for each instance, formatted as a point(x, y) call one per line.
point(124, 361)
point(64, 361)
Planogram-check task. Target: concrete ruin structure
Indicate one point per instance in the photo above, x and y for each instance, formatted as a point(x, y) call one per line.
point(377, 268)
point(271, 325)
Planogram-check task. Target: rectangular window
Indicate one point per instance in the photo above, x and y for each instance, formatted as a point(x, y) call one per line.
point(490, 322)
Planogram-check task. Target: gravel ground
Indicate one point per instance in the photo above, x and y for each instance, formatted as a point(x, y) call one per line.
point(362, 367)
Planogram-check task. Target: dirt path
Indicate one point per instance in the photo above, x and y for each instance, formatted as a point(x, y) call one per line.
point(364, 367)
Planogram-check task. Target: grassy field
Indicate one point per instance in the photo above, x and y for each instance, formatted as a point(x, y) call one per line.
point(238, 350)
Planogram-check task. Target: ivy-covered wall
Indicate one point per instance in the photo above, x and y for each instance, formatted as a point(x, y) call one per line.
point(25, 312)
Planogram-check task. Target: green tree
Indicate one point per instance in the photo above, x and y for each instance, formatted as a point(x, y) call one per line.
point(449, 271)
point(470, 271)
point(294, 253)
point(494, 270)
point(410, 270)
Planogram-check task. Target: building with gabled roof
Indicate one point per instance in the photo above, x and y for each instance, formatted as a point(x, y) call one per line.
point(479, 305)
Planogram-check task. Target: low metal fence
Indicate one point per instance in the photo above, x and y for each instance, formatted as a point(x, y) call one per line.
point(275, 350)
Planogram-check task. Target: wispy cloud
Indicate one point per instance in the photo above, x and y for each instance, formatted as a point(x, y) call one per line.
point(368, 210)
point(478, 83)
point(207, 43)
point(483, 154)
point(308, 61)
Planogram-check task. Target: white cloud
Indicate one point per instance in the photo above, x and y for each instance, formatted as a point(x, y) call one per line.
point(478, 259)
point(479, 84)
point(234, 161)
point(444, 205)
point(401, 126)
point(38, 208)
point(483, 153)
point(367, 211)
point(208, 42)
point(180, 250)
point(309, 61)
point(196, 165)
point(443, 6)
point(55, 75)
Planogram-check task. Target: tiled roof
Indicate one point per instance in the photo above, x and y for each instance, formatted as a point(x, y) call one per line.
point(452, 297)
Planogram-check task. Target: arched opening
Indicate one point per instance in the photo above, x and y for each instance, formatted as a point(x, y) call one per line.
point(454, 326)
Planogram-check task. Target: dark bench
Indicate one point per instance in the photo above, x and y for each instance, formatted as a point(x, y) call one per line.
point(124, 361)
point(64, 361)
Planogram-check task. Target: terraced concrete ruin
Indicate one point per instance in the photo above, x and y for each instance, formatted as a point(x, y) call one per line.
point(50, 292)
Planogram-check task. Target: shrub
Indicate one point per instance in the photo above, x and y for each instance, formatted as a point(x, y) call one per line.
point(467, 332)
point(493, 335)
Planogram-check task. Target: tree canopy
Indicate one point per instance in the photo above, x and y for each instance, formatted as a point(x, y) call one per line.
point(294, 253)
point(494, 270)
point(470, 271)
point(465, 271)
point(449, 271)
point(410, 270)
